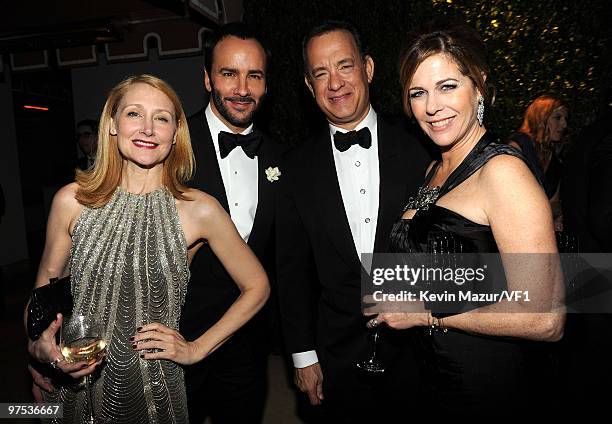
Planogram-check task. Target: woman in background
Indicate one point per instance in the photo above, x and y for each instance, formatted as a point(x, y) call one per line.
point(544, 127)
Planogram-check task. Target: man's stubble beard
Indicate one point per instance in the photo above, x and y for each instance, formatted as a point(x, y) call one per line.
point(225, 113)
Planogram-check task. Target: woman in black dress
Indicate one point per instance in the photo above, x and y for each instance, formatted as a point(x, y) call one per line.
point(484, 195)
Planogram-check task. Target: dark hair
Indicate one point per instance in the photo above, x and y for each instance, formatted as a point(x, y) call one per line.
point(331, 26)
point(234, 29)
point(457, 40)
point(91, 123)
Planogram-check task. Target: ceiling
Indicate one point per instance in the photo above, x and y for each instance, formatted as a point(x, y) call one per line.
point(35, 34)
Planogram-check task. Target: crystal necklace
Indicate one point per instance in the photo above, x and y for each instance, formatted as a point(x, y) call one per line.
point(425, 196)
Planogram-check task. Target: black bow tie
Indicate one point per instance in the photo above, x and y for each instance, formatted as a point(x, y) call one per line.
point(343, 141)
point(229, 141)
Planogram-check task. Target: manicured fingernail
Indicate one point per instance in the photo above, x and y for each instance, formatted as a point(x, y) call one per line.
point(139, 328)
point(134, 346)
point(142, 355)
point(132, 338)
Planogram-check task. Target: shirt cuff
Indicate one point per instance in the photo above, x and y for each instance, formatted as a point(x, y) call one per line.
point(304, 359)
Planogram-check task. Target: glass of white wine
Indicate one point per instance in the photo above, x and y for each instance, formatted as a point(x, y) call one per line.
point(83, 340)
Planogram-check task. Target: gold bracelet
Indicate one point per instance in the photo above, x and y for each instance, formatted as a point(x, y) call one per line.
point(442, 326)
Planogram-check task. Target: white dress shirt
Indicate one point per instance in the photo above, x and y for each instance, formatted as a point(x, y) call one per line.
point(359, 178)
point(239, 174)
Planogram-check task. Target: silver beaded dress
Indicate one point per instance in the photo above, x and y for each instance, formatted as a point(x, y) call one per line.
point(129, 265)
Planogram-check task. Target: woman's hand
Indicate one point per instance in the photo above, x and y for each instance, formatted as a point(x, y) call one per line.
point(399, 315)
point(401, 320)
point(172, 344)
point(45, 350)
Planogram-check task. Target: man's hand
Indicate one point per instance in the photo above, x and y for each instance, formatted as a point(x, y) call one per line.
point(310, 381)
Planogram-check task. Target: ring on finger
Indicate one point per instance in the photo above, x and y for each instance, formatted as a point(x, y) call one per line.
point(373, 323)
point(54, 363)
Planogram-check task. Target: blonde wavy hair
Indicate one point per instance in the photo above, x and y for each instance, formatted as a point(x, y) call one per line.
point(97, 185)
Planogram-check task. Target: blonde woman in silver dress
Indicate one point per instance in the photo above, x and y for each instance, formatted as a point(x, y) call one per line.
point(126, 231)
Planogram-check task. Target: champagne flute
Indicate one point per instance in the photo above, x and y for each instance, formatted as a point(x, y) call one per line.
point(372, 364)
point(83, 339)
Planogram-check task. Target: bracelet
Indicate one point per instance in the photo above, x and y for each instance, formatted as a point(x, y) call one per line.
point(435, 325)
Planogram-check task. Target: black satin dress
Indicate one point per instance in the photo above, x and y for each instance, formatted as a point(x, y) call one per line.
point(468, 374)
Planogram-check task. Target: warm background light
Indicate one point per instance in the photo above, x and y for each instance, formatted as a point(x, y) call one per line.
point(35, 107)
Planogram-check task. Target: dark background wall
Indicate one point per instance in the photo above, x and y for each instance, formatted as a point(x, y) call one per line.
point(13, 246)
point(548, 46)
point(186, 75)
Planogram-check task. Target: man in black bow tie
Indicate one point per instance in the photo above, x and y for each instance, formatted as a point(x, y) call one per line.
point(233, 165)
point(340, 194)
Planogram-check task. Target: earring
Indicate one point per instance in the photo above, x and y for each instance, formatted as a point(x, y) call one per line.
point(111, 133)
point(480, 110)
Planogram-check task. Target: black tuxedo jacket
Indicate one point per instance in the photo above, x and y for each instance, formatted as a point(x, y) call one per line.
point(211, 290)
point(319, 271)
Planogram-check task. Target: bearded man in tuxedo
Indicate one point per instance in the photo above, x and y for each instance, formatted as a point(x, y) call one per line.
point(239, 166)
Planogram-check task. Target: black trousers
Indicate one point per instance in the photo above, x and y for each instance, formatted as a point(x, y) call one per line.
point(230, 386)
point(355, 396)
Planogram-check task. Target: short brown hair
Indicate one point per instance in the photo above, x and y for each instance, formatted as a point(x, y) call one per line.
point(97, 185)
point(457, 40)
point(332, 26)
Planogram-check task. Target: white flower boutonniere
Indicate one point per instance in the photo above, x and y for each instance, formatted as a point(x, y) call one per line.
point(272, 174)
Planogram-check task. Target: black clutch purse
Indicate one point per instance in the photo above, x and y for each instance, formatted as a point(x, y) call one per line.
point(46, 302)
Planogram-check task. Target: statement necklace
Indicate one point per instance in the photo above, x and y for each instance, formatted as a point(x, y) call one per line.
point(425, 196)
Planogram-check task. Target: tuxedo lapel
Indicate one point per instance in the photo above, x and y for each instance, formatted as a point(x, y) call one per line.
point(208, 174)
point(264, 216)
point(328, 198)
point(392, 187)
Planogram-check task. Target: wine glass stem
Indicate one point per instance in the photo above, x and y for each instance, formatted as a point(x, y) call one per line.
point(375, 337)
